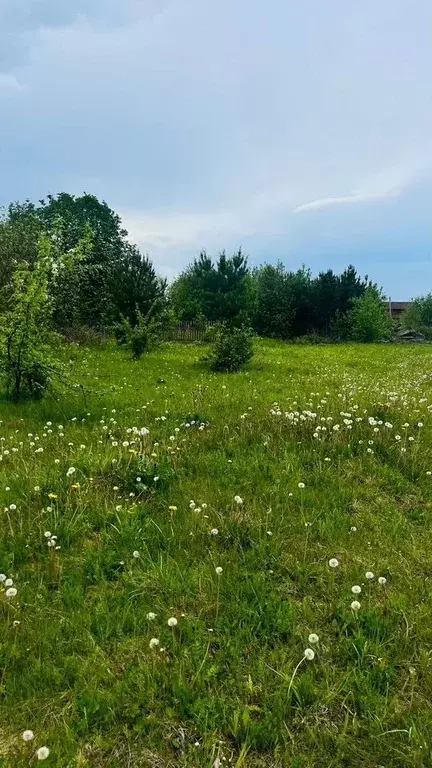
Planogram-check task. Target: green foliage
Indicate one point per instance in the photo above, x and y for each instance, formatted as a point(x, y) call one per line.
point(26, 337)
point(275, 304)
point(418, 316)
point(97, 277)
point(141, 337)
point(292, 304)
point(215, 291)
point(369, 318)
point(233, 349)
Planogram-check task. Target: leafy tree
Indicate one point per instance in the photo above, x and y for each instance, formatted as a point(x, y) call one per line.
point(419, 315)
point(26, 337)
point(20, 230)
point(369, 317)
point(97, 276)
point(275, 308)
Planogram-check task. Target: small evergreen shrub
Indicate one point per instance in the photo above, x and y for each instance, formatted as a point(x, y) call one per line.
point(233, 349)
point(140, 338)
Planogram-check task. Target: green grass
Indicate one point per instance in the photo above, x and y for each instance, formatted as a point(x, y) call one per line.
point(75, 662)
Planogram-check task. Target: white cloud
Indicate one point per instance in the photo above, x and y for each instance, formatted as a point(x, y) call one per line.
point(171, 230)
point(328, 202)
point(9, 83)
point(380, 185)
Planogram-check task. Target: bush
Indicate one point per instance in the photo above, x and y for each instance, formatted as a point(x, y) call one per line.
point(27, 341)
point(369, 319)
point(233, 349)
point(139, 338)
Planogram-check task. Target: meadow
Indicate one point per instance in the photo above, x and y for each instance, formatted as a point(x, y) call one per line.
point(201, 570)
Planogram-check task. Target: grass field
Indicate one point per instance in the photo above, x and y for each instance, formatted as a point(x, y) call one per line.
point(144, 524)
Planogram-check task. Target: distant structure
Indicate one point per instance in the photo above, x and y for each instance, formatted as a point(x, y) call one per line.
point(397, 308)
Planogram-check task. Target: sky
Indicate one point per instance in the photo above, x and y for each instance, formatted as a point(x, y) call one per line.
point(301, 131)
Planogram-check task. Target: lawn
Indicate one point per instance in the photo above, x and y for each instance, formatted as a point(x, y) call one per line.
point(223, 517)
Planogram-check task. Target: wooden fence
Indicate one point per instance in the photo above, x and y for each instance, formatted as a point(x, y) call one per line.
point(189, 332)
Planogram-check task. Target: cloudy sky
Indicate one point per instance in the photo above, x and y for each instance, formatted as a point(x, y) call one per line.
point(300, 130)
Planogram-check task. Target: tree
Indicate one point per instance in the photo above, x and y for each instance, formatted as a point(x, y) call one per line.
point(214, 291)
point(369, 317)
point(275, 308)
point(97, 275)
point(419, 315)
point(20, 230)
point(135, 286)
point(26, 337)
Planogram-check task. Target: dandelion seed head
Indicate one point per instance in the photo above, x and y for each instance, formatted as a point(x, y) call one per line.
point(355, 605)
point(27, 735)
point(313, 638)
point(309, 654)
point(42, 753)
point(172, 622)
point(154, 642)
point(356, 589)
point(333, 562)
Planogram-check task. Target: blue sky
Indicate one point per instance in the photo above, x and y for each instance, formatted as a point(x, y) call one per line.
point(301, 130)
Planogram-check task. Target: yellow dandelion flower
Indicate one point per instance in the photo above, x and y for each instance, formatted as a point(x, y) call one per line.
point(52, 496)
point(154, 455)
point(172, 508)
point(115, 488)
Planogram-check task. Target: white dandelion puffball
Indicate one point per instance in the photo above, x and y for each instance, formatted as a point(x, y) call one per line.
point(333, 563)
point(356, 589)
point(214, 531)
point(136, 553)
point(301, 486)
point(309, 654)
point(8, 582)
point(172, 622)
point(71, 471)
point(218, 570)
point(42, 753)
point(11, 592)
point(154, 642)
point(238, 500)
point(3, 577)
point(355, 605)
point(12, 507)
point(47, 534)
point(313, 638)
point(151, 616)
point(27, 735)
point(369, 575)
point(382, 580)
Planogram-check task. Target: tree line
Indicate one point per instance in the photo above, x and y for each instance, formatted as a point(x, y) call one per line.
point(97, 279)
